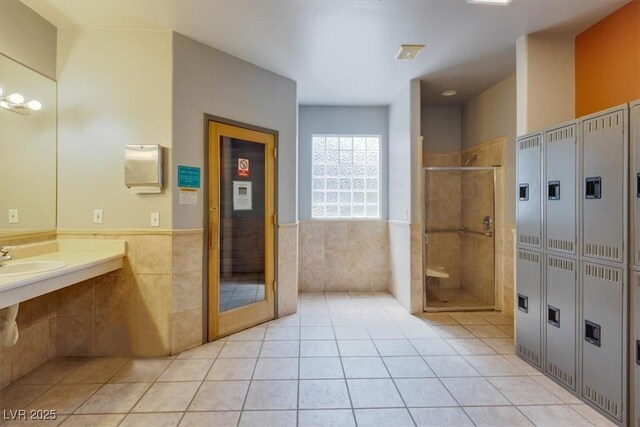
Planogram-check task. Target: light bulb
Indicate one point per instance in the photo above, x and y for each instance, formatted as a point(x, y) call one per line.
point(15, 98)
point(34, 105)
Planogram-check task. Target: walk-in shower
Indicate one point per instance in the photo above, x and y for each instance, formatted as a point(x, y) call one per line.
point(459, 238)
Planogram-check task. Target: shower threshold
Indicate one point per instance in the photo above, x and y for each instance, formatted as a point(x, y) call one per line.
point(454, 300)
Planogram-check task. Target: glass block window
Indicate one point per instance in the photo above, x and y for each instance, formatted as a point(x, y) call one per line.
point(345, 176)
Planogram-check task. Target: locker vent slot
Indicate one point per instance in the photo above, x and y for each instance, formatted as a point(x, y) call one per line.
point(602, 273)
point(529, 354)
point(529, 240)
point(561, 375)
point(598, 124)
point(601, 251)
point(602, 402)
point(560, 245)
point(532, 142)
point(559, 263)
point(529, 256)
point(560, 134)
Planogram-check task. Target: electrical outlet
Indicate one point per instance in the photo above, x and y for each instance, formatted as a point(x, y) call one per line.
point(13, 216)
point(155, 219)
point(97, 216)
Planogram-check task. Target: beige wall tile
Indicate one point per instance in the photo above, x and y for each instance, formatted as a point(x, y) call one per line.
point(186, 330)
point(153, 254)
point(187, 253)
point(112, 337)
point(287, 269)
point(76, 300)
point(31, 350)
point(152, 332)
point(187, 291)
point(74, 336)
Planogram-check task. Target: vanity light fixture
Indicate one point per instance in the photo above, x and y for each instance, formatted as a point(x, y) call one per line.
point(409, 51)
point(491, 2)
point(15, 102)
point(449, 93)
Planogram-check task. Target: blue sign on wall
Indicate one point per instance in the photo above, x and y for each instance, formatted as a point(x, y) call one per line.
point(188, 176)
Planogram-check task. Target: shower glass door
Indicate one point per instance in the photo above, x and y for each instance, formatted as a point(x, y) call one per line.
point(459, 238)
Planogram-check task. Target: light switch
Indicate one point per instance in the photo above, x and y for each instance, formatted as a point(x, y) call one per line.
point(97, 216)
point(13, 216)
point(155, 219)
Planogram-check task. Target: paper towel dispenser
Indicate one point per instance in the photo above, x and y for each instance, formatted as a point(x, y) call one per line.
point(143, 168)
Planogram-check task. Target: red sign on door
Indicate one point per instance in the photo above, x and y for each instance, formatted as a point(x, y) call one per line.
point(243, 167)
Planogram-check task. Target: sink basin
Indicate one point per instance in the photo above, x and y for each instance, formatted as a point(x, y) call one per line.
point(30, 267)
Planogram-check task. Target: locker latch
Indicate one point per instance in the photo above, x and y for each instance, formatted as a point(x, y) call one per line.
point(592, 333)
point(524, 192)
point(637, 352)
point(593, 187)
point(523, 303)
point(554, 190)
point(553, 316)
point(638, 185)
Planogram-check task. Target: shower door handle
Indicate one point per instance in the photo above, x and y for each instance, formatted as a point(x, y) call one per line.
point(426, 238)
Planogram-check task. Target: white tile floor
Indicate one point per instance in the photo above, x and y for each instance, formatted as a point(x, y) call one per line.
point(343, 360)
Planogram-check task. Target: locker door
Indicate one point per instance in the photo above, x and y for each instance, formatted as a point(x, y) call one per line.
point(604, 186)
point(603, 333)
point(635, 182)
point(635, 345)
point(529, 293)
point(529, 203)
point(559, 189)
point(560, 320)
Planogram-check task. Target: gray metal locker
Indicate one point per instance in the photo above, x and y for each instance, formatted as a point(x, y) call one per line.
point(560, 318)
point(604, 336)
point(529, 212)
point(529, 310)
point(604, 185)
point(559, 189)
point(635, 344)
point(634, 120)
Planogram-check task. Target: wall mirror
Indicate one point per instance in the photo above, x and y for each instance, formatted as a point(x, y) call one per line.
point(28, 150)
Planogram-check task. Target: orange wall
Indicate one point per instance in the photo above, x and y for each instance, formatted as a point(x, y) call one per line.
point(608, 61)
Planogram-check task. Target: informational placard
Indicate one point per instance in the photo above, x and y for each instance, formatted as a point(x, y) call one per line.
point(188, 177)
point(243, 167)
point(242, 196)
point(188, 196)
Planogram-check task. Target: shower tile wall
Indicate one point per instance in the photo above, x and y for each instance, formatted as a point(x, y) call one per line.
point(444, 211)
point(462, 200)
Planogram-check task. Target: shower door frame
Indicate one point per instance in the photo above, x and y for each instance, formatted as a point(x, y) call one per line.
point(425, 238)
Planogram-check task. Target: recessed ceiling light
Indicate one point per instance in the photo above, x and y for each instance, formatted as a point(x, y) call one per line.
point(409, 51)
point(449, 92)
point(491, 2)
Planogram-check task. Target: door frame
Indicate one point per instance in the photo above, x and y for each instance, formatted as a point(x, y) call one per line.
point(207, 335)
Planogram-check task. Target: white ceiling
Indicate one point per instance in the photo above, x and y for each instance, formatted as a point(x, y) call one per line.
point(341, 52)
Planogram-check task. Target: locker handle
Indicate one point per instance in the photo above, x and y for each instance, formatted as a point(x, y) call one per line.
point(592, 333)
point(523, 303)
point(553, 316)
point(638, 185)
point(593, 187)
point(553, 192)
point(524, 192)
point(637, 352)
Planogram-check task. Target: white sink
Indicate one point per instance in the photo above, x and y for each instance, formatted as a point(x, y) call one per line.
point(30, 267)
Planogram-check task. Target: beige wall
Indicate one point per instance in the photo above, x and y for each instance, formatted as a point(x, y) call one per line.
point(490, 115)
point(115, 89)
point(546, 81)
point(441, 128)
point(27, 37)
